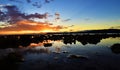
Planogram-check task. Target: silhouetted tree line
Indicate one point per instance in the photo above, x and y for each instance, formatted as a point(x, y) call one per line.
point(13, 41)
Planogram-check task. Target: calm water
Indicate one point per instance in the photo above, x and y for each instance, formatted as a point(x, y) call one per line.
point(55, 54)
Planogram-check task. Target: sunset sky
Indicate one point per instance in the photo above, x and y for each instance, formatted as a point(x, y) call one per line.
point(35, 16)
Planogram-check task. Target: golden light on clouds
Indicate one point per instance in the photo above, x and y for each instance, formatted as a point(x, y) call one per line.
point(27, 26)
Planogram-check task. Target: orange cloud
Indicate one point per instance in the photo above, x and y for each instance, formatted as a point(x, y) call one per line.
point(29, 26)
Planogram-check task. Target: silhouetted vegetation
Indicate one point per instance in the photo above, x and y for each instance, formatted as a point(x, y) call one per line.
point(13, 41)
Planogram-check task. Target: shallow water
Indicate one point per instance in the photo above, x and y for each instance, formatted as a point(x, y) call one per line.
point(99, 53)
point(96, 54)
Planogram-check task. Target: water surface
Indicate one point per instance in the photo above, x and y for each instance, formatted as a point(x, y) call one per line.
point(54, 53)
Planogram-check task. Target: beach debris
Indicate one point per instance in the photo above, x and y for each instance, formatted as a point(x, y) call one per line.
point(74, 56)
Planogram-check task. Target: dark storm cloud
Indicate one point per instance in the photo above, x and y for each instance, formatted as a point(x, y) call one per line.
point(13, 14)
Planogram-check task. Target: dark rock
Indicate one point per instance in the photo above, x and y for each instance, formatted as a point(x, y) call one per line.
point(115, 48)
point(72, 56)
point(47, 44)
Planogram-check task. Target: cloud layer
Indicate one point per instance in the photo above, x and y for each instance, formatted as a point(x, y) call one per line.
point(11, 14)
point(15, 21)
point(37, 4)
point(27, 25)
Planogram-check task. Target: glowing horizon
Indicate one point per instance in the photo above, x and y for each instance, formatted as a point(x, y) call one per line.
point(41, 16)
